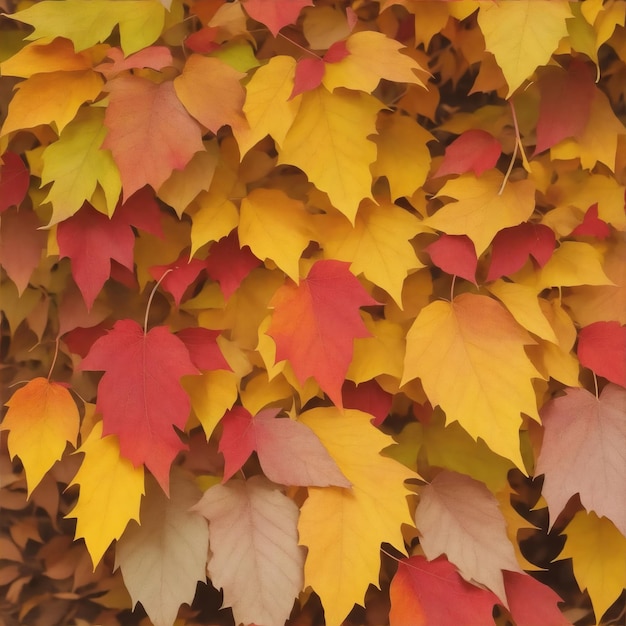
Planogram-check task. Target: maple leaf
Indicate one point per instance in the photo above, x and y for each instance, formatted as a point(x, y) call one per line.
point(474, 150)
point(178, 275)
point(110, 493)
point(308, 76)
point(574, 86)
point(21, 244)
point(602, 348)
point(343, 529)
point(140, 22)
point(459, 517)
point(163, 559)
point(314, 324)
point(14, 180)
point(154, 57)
point(522, 35)
point(368, 397)
point(41, 419)
point(288, 451)
point(377, 245)
point(579, 425)
point(592, 225)
point(420, 594)
point(92, 240)
point(453, 346)
point(255, 556)
point(206, 75)
point(329, 142)
point(275, 226)
point(275, 14)
point(150, 133)
point(454, 254)
point(140, 396)
point(229, 263)
point(204, 352)
point(598, 553)
point(512, 246)
point(480, 210)
point(75, 165)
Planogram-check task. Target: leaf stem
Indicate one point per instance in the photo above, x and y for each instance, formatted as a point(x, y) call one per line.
point(595, 382)
point(305, 50)
point(452, 287)
point(145, 322)
point(54, 358)
point(518, 143)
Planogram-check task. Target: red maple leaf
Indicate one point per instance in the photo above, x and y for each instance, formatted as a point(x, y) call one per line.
point(473, 151)
point(229, 264)
point(565, 103)
point(92, 240)
point(511, 248)
point(316, 322)
point(455, 255)
point(140, 395)
point(289, 452)
point(14, 179)
point(308, 76)
point(178, 275)
point(368, 397)
point(592, 225)
point(204, 352)
point(275, 14)
point(602, 348)
point(432, 592)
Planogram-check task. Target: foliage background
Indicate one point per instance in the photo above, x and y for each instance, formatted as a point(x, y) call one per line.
point(445, 183)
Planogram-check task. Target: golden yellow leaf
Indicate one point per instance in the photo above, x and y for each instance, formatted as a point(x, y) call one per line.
point(212, 394)
point(110, 493)
point(371, 56)
point(343, 528)
point(329, 142)
point(267, 108)
point(76, 165)
point(87, 23)
point(41, 419)
point(403, 157)
point(261, 392)
point(522, 35)
point(377, 246)
point(479, 210)
point(52, 97)
point(598, 553)
point(469, 355)
point(275, 226)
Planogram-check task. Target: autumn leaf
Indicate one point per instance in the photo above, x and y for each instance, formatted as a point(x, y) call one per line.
point(452, 348)
point(41, 419)
point(255, 556)
point(153, 57)
point(314, 324)
point(275, 14)
point(178, 275)
point(329, 142)
point(288, 451)
point(598, 553)
point(458, 516)
point(420, 594)
point(343, 529)
point(581, 425)
point(14, 180)
point(454, 254)
point(110, 493)
point(204, 352)
point(148, 147)
point(473, 151)
point(140, 22)
point(602, 348)
point(153, 363)
point(162, 559)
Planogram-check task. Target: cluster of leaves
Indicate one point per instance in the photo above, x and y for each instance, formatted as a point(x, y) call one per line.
point(292, 289)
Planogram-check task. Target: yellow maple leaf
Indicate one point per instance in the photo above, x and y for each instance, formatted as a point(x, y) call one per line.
point(403, 157)
point(329, 142)
point(51, 97)
point(480, 211)
point(522, 35)
point(41, 419)
point(371, 56)
point(75, 165)
point(377, 246)
point(598, 553)
point(110, 493)
point(267, 108)
point(343, 528)
point(275, 226)
point(469, 355)
point(87, 23)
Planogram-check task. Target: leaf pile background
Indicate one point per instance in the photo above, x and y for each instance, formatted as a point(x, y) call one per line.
point(313, 311)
